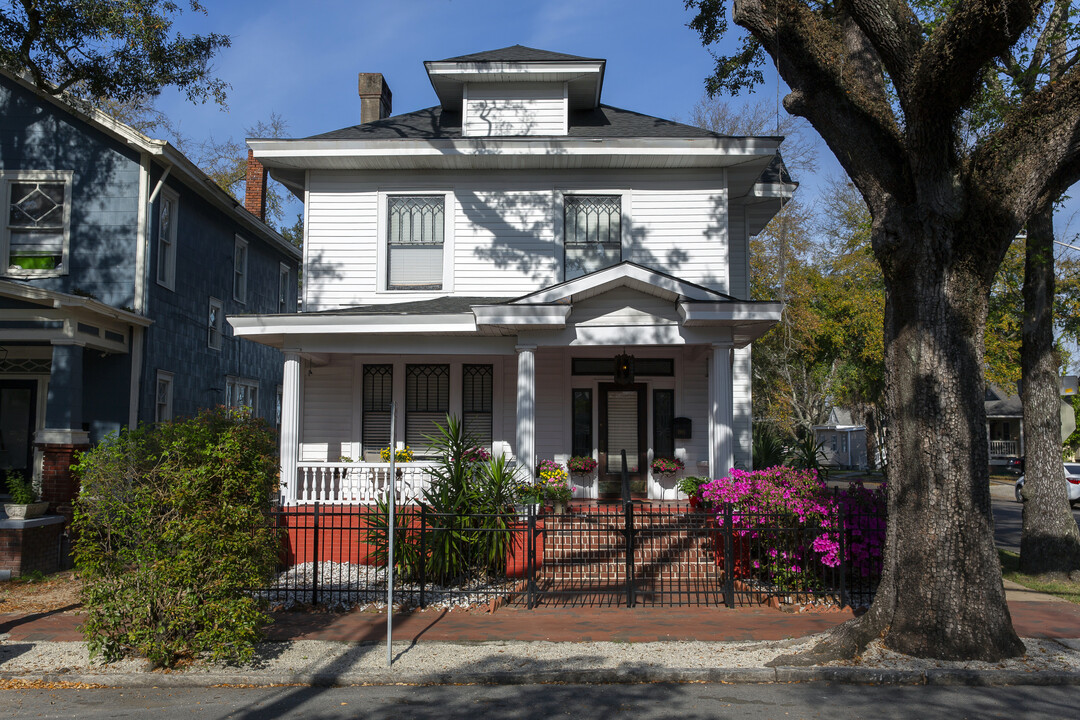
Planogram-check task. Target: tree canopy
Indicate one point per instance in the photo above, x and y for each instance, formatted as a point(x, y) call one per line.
point(119, 49)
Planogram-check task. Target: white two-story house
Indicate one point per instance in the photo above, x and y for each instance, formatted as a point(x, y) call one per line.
point(496, 257)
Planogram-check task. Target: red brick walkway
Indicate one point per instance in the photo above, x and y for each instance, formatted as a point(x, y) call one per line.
point(1031, 619)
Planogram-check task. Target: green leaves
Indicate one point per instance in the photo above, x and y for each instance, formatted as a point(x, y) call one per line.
point(171, 529)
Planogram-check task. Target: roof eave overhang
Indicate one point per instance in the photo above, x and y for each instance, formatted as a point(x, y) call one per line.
point(524, 317)
point(252, 326)
point(65, 301)
point(585, 77)
point(337, 154)
point(748, 320)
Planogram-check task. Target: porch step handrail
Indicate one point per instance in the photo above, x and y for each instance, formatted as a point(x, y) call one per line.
point(357, 483)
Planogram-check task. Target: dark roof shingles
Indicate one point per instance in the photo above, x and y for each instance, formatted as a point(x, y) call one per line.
point(515, 53)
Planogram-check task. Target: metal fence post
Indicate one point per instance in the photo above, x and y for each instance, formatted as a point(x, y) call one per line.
point(423, 551)
point(843, 552)
point(729, 557)
point(628, 526)
point(530, 544)
point(315, 559)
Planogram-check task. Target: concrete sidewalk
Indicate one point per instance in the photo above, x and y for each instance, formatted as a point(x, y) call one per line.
point(570, 644)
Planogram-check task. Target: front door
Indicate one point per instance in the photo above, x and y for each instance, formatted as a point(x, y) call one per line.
point(622, 426)
point(18, 399)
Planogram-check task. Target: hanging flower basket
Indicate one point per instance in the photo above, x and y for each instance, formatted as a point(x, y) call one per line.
point(667, 466)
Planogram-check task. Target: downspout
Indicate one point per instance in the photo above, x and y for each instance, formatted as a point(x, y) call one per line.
point(139, 299)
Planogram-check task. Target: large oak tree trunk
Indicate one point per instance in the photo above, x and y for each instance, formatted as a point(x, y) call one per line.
point(941, 594)
point(1050, 541)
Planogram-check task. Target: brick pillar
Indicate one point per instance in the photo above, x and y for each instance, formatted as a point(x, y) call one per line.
point(255, 195)
point(58, 484)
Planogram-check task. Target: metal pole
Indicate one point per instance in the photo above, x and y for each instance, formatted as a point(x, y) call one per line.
point(390, 551)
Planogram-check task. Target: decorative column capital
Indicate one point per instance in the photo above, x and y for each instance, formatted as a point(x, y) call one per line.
point(525, 348)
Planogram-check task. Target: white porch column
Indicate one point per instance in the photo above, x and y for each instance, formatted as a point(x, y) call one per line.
point(721, 412)
point(290, 426)
point(525, 438)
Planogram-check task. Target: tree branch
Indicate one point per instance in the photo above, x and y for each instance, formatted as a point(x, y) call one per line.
point(835, 83)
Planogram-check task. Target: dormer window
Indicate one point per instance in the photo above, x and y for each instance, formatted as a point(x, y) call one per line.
point(592, 226)
point(415, 237)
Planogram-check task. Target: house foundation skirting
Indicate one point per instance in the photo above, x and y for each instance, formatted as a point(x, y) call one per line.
point(31, 545)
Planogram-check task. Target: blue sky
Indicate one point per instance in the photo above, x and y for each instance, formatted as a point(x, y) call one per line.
point(301, 60)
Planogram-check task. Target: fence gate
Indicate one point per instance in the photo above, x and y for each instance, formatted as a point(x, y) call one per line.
point(627, 555)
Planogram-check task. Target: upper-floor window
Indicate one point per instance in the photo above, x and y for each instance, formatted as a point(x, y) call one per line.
point(240, 269)
point(215, 325)
point(414, 242)
point(592, 227)
point(163, 397)
point(36, 222)
point(284, 291)
point(166, 239)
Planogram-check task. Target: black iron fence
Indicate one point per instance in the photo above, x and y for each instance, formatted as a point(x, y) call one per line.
point(618, 554)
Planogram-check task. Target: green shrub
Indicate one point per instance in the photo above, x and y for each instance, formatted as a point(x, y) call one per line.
point(170, 530)
point(22, 492)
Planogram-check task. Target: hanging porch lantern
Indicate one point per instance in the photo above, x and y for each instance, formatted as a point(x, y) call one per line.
point(624, 369)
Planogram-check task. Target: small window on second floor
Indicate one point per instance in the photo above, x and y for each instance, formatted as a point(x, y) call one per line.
point(240, 268)
point(592, 227)
point(35, 222)
point(415, 235)
point(215, 325)
point(284, 291)
point(242, 394)
point(166, 239)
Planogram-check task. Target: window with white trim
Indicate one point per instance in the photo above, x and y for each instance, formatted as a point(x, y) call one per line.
point(163, 397)
point(242, 394)
point(427, 401)
point(476, 403)
point(592, 232)
point(36, 222)
point(215, 324)
point(284, 291)
point(279, 396)
point(415, 234)
point(377, 392)
point(166, 238)
point(240, 269)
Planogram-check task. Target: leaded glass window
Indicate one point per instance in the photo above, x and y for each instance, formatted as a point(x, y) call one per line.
point(415, 236)
point(476, 402)
point(35, 225)
point(427, 401)
point(377, 392)
point(592, 225)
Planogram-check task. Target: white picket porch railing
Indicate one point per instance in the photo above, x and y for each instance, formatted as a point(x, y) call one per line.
point(1004, 448)
point(356, 483)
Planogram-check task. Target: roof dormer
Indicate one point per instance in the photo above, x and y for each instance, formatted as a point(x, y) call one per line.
point(516, 90)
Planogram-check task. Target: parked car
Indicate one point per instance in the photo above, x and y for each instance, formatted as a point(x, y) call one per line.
point(1015, 465)
point(1072, 481)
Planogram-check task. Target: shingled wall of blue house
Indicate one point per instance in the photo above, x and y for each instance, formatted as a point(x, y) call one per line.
point(103, 232)
point(178, 341)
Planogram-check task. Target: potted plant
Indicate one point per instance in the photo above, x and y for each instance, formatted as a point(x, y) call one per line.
point(24, 504)
point(667, 467)
point(581, 465)
point(691, 487)
point(558, 491)
point(526, 494)
point(404, 455)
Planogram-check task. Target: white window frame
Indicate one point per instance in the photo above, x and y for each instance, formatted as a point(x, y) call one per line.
point(284, 294)
point(163, 413)
point(217, 329)
point(240, 270)
point(7, 177)
point(382, 229)
point(625, 204)
point(232, 385)
point(166, 243)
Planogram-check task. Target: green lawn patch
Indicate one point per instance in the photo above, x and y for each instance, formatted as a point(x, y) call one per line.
point(1010, 570)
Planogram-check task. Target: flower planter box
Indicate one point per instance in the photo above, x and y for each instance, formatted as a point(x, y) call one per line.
point(18, 511)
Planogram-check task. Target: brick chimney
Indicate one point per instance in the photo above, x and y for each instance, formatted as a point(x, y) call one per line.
point(255, 197)
point(375, 97)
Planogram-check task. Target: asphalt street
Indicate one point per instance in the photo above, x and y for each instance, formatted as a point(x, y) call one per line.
point(1008, 516)
point(525, 702)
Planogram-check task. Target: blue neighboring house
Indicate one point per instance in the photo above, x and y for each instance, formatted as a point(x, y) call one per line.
point(119, 260)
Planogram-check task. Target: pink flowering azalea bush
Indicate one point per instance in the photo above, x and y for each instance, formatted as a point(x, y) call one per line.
point(786, 524)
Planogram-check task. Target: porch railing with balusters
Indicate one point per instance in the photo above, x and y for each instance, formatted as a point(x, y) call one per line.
point(1004, 448)
point(356, 483)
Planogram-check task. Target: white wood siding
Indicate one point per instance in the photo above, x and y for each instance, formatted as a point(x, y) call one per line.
point(326, 434)
point(494, 109)
point(507, 230)
point(739, 258)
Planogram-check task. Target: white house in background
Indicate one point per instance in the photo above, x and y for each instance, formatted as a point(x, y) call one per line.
point(842, 441)
point(492, 256)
